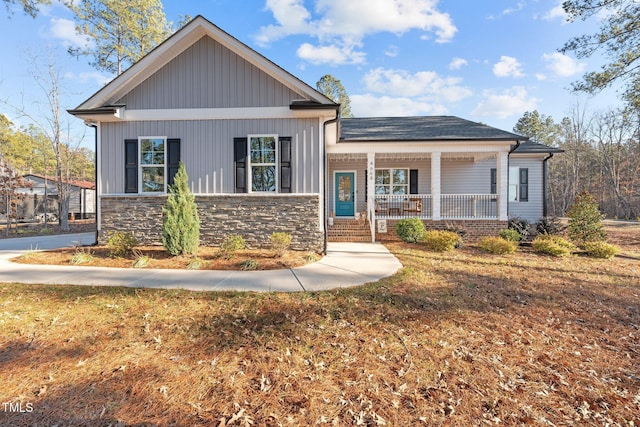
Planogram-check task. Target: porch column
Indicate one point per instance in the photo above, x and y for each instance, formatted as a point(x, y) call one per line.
point(371, 193)
point(502, 172)
point(435, 185)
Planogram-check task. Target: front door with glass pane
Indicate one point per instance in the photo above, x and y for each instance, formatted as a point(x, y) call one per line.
point(345, 192)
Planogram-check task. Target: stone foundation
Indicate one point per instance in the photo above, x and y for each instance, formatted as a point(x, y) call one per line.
point(475, 230)
point(252, 216)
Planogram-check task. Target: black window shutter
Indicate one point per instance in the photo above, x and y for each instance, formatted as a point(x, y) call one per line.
point(285, 164)
point(173, 158)
point(130, 165)
point(366, 186)
point(240, 164)
point(524, 184)
point(494, 181)
point(413, 181)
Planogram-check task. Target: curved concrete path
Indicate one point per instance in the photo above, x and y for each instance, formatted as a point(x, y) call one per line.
point(346, 264)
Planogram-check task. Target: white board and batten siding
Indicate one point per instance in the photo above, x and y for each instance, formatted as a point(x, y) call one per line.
point(206, 148)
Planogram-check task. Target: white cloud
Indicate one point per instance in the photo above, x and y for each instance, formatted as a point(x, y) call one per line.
point(563, 65)
point(557, 12)
point(507, 67)
point(541, 77)
point(506, 103)
point(331, 55)
point(517, 8)
point(369, 105)
point(65, 31)
point(345, 23)
point(85, 77)
point(392, 51)
point(457, 63)
point(421, 84)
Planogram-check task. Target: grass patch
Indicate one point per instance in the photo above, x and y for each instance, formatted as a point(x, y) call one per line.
point(455, 338)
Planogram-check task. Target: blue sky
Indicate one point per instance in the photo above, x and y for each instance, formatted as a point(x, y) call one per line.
point(487, 61)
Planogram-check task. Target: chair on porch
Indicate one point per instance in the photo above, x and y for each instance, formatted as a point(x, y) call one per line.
point(413, 205)
point(382, 208)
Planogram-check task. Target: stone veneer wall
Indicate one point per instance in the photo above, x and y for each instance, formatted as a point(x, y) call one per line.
point(252, 216)
point(475, 229)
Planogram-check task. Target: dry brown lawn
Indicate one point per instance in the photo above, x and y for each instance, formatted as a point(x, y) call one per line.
point(460, 338)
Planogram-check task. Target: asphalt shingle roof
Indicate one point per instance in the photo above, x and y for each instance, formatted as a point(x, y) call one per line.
point(419, 128)
point(535, 147)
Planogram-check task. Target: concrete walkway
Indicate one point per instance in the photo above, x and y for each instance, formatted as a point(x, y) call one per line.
point(346, 264)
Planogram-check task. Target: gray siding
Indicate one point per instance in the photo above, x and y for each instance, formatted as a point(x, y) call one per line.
point(207, 150)
point(533, 209)
point(207, 75)
point(466, 176)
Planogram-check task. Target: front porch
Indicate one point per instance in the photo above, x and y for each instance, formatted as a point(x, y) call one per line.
point(444, 189)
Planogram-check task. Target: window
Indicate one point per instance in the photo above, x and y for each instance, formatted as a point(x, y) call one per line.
point(152, 164)
point(518, 184)
point(263, 160)
point(392, 181)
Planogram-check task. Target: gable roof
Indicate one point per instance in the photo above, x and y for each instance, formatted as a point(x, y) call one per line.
point(420, 128)
point(103, 101)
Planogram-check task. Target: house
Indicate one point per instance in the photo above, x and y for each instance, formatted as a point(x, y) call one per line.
point(266, 152)
point(38, 187)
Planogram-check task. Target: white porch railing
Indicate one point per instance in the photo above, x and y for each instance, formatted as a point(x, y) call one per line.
point(452, 206)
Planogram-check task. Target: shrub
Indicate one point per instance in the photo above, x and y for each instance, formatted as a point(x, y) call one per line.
point(82, 257)
point(553, 245)
point(549, 225)
point(410, 230)
point(498, 245)
point(230, 245)
point(196, 264)
point(510, 234)
point(180, 221)
point(521, 225)
point(141, 260)
point(310, 257)
point(121, 243)
point(585, 220)
point(441, 240)
point(601, 250)
point(249, 264)
point(280, 242)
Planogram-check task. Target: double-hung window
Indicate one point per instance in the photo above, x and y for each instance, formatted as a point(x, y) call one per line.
point(152, 164)
point(392, 181)
point(263, 159)
point(518, 184)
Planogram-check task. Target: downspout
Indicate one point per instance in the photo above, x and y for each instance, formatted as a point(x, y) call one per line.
point(95, 177)
point(544, 185)
point(326, 173)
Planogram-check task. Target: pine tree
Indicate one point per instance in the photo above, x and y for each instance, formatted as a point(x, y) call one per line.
point(180, 221)
point(585, 220)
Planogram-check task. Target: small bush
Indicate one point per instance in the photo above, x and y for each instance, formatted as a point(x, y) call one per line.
point(196, 264)
point(601, 250)
point(82, 257)
point(498, 245)
point(249, 264)
point(180, 221)
point(121, 243)
point(141, 260)
point(230, 245)
point(410, 230)
point(585, 220)
point(510, 234)
point(280, 242)
point(549, 225)
point(553, 245)
point(521, 225)
point(441, 240)
point(310, 257)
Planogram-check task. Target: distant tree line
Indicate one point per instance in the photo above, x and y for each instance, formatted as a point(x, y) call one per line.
point(601, 156)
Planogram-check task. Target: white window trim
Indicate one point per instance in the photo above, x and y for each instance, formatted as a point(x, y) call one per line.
point(250, 164)
point(141, 166)
point(408, 184)
point(512, 184)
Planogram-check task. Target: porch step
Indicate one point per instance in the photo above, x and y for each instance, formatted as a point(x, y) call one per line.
point(349, 230)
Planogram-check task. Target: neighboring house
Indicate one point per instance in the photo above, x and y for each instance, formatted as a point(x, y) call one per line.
point(266, 152)
point(82, 197)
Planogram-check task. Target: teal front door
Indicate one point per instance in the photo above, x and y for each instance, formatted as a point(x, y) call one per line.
point(345, 192)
